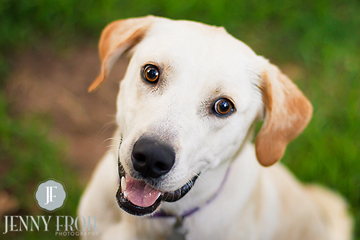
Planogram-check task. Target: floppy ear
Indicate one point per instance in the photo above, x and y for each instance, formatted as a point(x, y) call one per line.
point(115, 39)
point(287, 112)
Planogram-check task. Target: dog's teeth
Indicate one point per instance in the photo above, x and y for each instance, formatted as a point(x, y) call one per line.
point(125, 194)
point(123, 183)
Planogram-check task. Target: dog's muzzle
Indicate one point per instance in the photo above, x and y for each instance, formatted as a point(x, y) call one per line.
point(151, 159)
point(139, 198)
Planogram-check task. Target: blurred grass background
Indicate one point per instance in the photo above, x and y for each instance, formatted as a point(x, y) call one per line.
point(318, 41)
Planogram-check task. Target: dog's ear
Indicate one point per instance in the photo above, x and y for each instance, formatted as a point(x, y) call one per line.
point(116, 38)
point(287, 112)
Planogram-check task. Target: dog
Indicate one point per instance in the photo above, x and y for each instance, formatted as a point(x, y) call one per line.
point(184, 165)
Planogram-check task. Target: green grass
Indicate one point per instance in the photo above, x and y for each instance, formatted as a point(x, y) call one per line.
point(319, 37)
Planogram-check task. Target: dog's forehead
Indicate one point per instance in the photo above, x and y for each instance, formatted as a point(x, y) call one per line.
point(193, 41)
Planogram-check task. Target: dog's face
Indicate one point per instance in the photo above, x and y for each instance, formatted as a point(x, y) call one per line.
point(189, 97)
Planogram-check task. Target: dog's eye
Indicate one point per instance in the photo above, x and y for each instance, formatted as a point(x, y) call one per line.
point(223, 107)
point(151, 73)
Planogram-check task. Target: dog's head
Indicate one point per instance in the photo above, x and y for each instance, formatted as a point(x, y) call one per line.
point(188, 99)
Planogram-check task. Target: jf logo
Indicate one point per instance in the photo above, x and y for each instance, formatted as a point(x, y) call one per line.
point(50, 195)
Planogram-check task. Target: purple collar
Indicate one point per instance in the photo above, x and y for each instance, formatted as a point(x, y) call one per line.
point(163, 214)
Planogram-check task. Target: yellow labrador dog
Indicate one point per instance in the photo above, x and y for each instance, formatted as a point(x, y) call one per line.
point(184, 165)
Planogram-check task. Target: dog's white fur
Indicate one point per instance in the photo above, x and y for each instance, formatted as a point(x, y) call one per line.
point(200, 64)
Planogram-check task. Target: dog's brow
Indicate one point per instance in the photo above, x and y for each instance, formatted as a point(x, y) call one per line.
point(216, 90)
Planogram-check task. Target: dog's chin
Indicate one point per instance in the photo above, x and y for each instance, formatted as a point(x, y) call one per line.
point(139, 198)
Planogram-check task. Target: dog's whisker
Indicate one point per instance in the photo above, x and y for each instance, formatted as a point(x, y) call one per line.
point(113, 138)
point(111, 143)
point(108, 125)
point(112, 147)
point(186, 180)
point(117, 139)
point(200, 177)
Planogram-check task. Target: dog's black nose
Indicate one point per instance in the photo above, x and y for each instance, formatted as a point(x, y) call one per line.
point(152, 158)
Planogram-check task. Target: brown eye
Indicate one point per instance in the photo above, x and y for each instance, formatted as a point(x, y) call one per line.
point(151, 73)
point(223, 107)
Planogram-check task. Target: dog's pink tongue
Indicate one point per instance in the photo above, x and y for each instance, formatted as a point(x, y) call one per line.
point(140, 193)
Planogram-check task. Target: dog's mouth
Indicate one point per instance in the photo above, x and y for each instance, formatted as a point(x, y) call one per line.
point(139, 198)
